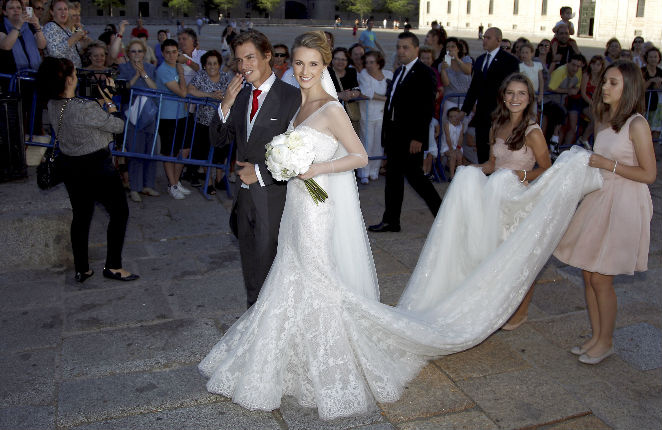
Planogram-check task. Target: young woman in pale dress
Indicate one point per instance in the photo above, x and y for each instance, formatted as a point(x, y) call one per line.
point(518, 144)
point(610, 232)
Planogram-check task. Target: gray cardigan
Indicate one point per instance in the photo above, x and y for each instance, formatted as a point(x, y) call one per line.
point(86, 127)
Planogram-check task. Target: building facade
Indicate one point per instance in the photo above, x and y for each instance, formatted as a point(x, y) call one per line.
point(159, 9)
point(599, 20)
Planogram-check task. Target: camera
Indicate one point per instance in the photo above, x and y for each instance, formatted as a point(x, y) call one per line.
point(90, 81)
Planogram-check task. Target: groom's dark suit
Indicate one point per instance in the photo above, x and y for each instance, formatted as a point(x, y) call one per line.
point(256, 210)
point(406, 118)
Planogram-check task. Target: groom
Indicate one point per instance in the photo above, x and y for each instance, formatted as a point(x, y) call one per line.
point(257, 106)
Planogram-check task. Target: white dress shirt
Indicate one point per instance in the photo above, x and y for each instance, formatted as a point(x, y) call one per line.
point(265, 87)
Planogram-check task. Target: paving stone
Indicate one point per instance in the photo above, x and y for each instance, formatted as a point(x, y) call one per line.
point(490, 357)
point(30, 294)
point(193, 244)
point(210, 296)
point(522, 398)
point(148, 347)
point(644, 285)
point(162, 270)
point(29, 329)
point(640, 345)
point(130, 304)
point(228, 259)
point(222, 415)
point(378, 426)
point(27, 418)
point(392, 286)
point(299, 418)
point(465, 420)
point(430, 393)
point(132, 249)
point(557, 298)
point(20, 275)
point(89, 400)
point(548, 274)
point(615, 406)
point(28, 378)
point(387, 264)
point(587, 422)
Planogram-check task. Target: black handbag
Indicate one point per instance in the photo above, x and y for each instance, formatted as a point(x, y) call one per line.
point(48, 172)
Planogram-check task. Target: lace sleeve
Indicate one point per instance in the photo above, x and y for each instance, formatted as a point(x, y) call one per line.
point(338, 123)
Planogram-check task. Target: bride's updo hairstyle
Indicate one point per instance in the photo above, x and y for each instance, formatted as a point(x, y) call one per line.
point(314, 40)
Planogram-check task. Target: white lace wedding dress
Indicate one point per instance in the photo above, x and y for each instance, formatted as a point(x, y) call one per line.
point(318, 331)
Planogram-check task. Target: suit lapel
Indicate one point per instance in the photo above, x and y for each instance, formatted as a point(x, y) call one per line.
point(242, 107)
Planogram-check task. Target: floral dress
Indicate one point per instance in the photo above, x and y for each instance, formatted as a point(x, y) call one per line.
point(57, 44)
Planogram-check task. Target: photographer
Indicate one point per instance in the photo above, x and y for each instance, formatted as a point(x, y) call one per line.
point(83, 131)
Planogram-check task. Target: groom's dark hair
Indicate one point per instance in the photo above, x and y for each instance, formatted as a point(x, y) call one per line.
point(259, 40)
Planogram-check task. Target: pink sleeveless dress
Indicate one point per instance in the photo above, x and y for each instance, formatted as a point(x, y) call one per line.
point(610, 232)
point(521, 159)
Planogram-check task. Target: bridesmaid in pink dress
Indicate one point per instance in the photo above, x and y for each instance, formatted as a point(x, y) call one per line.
point(610, 232)
point(518, 145)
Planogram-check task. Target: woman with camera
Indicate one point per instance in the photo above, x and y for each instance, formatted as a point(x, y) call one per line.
point(83, 131)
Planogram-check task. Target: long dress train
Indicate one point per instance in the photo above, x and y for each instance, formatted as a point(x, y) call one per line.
point(318, 331)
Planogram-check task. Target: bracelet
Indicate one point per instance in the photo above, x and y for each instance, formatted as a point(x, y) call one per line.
point(614, 169)
point(145, 76)
point(524, 178)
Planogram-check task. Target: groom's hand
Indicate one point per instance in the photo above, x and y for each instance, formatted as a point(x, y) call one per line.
point(247, 172)
point(235, 85)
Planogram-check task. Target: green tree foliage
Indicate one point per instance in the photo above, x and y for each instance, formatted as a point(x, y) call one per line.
point(361, 7)
point(225, 4)
point(401, 7)
point(181, 5)
point(110, 4)
point(268, 5)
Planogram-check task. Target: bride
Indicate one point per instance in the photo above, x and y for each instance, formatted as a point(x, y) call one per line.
point(318, 331)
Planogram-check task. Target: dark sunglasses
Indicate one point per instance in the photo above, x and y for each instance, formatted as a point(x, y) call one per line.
point(278, 54)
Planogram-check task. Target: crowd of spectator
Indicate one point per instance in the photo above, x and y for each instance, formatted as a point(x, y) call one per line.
point(562, 77)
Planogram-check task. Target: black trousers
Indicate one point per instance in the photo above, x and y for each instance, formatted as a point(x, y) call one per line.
point(258, 222)
point(400, 165)
point(482, 142)
point(90, 179)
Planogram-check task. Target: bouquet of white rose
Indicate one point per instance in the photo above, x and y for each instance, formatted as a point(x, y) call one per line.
point(289, 155)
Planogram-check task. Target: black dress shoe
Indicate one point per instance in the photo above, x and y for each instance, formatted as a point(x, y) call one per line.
point(82, 276)
point(384, 226)
point(118, 276)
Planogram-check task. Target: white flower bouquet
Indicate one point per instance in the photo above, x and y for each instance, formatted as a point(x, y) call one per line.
point(289, 155)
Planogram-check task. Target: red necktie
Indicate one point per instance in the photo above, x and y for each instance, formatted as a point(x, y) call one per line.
point(255, 104)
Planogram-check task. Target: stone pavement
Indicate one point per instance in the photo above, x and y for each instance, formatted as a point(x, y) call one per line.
point(109, 355)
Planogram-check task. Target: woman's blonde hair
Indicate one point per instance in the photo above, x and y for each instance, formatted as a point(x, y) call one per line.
point(314, 40)
point(133, 42)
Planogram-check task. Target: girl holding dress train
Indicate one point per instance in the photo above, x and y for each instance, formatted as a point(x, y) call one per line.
point(518, 145)
point(610, 232)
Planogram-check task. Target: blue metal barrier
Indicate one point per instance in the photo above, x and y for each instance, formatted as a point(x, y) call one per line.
point(187, 103)
point(30, 75)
